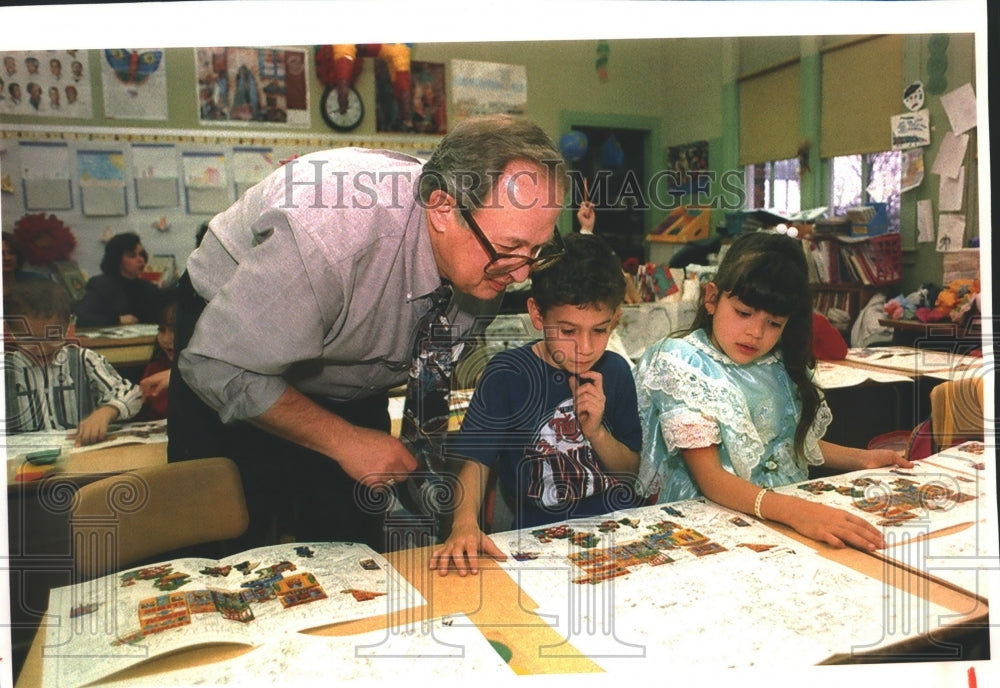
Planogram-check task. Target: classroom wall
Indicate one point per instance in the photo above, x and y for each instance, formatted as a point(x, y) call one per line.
point(682, 86)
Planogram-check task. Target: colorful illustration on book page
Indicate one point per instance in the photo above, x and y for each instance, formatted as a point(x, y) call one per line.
point(143, 612)
point(645, 588)
point(617, 544)
point(962, 555)
point(935, 494)
point(445, 648)
point(777, 609)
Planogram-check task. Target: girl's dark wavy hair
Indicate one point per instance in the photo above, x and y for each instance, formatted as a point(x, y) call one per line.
point(114, 250)
point(768, 272)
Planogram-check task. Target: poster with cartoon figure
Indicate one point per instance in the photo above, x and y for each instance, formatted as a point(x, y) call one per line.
point(135, 83)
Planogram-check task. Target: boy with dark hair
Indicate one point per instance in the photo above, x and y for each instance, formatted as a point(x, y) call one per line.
point(556, 419)
point(52, 384)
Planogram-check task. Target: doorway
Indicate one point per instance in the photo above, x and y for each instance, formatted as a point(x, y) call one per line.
point(615, 167)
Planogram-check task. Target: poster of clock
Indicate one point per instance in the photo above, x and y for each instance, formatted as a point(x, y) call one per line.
point(258, 85)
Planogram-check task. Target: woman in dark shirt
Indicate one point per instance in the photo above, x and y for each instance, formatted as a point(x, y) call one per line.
point(120, 296)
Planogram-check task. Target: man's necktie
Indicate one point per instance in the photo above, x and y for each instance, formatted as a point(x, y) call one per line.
point(427, 407)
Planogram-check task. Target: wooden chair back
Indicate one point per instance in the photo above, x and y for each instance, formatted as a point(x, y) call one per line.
point(957, 411)
point(126, 518)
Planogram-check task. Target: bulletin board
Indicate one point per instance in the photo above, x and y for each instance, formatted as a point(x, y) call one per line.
point(161, 184)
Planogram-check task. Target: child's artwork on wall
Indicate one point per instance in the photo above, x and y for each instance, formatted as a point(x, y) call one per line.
point(258, 85)
point(951, 230)
point(428, 100)
point(102, 182)
point(45, 175)
point(205, 181)
point(250, 165)
point(46, 83)
point(135, 83)
point(154, 170)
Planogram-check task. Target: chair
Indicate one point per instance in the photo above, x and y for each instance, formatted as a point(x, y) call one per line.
point(956, 416)
point(957, 411)
point(127, 518)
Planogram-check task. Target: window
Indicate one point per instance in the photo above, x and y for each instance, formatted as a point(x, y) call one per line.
point(860, 179)
point(774, 185)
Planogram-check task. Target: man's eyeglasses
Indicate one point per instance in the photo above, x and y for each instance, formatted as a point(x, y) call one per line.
point(504, 263)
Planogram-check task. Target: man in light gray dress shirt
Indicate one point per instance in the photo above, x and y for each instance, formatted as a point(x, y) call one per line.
point(298, 312)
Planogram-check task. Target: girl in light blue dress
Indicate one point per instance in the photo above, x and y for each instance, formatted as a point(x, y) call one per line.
point(731, 409)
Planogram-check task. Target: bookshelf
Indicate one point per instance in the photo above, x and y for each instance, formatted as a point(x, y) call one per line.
point(845, 271)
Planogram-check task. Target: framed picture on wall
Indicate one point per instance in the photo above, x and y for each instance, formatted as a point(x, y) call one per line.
point(424, 112)
point(685, 161)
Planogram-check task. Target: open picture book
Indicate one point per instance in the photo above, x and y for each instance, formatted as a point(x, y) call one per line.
point(99, 627)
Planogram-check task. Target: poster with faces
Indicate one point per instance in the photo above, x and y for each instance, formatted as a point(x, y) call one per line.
point(46, 83)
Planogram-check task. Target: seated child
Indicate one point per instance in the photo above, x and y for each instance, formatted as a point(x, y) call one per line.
point(155, 380)
point(731, 409)
point(51, 384)
point(557, 418)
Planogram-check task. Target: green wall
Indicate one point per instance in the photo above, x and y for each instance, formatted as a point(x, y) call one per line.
point(682, 89)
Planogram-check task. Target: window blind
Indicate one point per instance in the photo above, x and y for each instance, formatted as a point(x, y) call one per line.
point(862, 89)
point(769, 114)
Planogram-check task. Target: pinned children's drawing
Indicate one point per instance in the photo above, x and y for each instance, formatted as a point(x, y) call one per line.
point(913, 96)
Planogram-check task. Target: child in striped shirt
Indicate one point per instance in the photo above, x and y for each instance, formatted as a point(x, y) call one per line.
point(53, 384)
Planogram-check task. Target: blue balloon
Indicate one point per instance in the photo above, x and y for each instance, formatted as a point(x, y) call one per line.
point(573, 145)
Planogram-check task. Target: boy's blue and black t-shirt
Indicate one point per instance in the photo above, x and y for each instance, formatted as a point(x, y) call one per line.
point(521, 419)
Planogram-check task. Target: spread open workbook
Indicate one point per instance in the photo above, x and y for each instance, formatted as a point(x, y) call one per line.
point(942, 491)
point(934, 515)
point(692, 584)
point(438, 650)
point(102, 626)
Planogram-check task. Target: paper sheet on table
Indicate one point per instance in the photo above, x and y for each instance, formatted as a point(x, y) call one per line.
point(122, 332)
point(446, 649)
point(831, 375)
point(149, 432)
point(910, 360)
